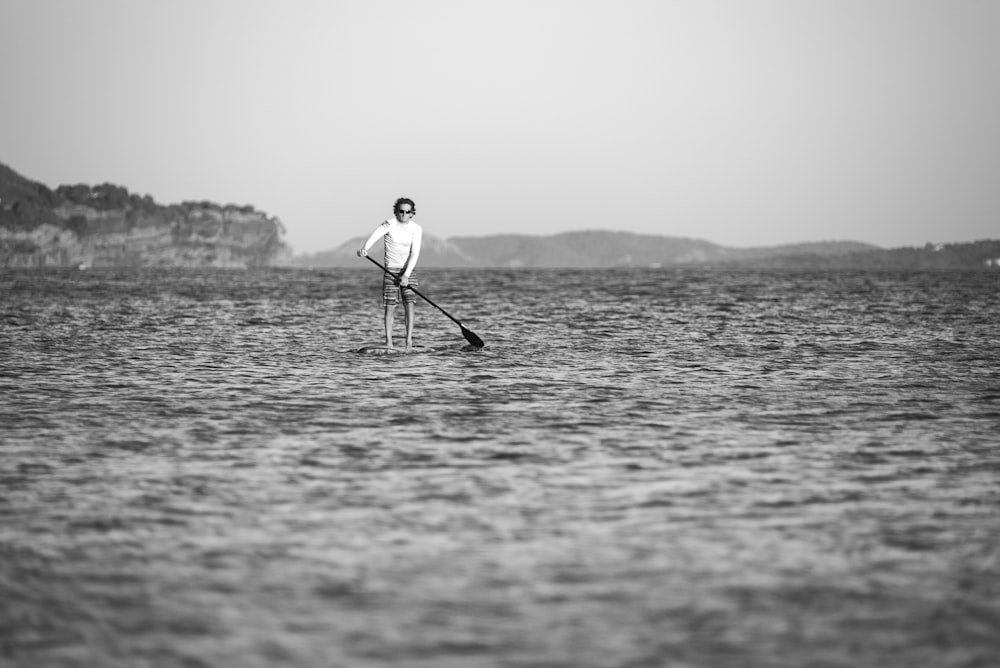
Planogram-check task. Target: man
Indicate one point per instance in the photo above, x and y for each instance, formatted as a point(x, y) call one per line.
point(402, 238)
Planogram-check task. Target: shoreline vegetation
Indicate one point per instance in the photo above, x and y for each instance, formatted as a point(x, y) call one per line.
point(107, 226)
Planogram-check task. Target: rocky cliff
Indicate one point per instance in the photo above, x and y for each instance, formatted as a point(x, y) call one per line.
point(105, 226)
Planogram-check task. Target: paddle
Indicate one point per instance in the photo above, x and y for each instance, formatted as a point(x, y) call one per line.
point(469, 336)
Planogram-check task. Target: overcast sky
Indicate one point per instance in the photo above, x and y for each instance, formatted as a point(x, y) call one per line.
point(743, 122)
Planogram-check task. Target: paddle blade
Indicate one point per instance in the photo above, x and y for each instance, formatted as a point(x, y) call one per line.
point(471, 337)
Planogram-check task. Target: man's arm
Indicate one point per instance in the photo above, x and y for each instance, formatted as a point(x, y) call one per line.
point(414, 254)
point(380, 231)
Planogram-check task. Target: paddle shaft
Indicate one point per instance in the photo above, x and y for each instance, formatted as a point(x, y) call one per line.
point(469, 336)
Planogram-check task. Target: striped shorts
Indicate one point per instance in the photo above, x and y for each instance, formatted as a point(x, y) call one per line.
point(391, 291)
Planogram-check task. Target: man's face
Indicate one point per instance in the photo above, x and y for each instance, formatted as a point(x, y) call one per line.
point(404, 213)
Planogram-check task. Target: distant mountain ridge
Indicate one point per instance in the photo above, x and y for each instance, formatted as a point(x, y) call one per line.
point(605, 249)
point(585, 249)
point(105, 225)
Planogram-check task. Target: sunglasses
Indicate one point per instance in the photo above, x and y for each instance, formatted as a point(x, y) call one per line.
point(404, 212)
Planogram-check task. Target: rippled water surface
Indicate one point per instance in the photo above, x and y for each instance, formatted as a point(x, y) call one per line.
point(642, 468)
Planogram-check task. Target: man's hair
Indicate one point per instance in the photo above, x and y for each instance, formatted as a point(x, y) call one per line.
point(404, 200)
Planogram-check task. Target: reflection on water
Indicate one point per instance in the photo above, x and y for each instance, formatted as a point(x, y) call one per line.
point(642, 468)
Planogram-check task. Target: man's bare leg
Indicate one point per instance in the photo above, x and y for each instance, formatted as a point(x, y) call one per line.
point(409, 312)
point(390, 312)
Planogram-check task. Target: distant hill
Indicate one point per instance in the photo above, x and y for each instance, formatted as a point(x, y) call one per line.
point(983, 254)
point(105, 225)
point(603, 248)
point(586, 249)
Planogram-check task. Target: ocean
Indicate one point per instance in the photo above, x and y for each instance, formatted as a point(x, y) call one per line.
point(642, 468)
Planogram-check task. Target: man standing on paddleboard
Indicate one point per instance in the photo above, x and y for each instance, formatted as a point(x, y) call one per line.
point(402, 238)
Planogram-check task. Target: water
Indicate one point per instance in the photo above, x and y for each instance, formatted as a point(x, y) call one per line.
point(642, 468)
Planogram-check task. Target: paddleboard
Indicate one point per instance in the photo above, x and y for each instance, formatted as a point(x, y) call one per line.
point(373, 349)
point(383, 350)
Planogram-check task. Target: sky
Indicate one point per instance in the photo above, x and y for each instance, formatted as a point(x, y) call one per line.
point(741, 122)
